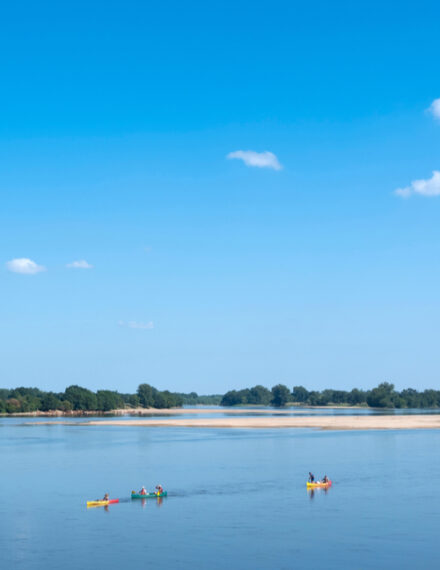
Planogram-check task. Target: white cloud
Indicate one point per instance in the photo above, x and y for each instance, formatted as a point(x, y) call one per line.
point(80, 264)
point(434, 108)
point(429, 187)
point(137, 325)
point(24, 266)
point(264, 159)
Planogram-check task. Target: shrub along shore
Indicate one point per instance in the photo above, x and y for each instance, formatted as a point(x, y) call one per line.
point(76, 400)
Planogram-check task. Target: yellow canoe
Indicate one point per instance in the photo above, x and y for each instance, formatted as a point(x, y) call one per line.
point(102, 503)
point(318, 485)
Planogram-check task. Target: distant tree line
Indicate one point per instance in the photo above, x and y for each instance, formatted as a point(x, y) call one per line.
point(76, 398)
point(383, 396)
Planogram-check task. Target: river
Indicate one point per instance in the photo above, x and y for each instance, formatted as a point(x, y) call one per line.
point(237, 499)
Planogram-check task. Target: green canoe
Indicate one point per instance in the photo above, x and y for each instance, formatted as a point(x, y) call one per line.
point(148, 495)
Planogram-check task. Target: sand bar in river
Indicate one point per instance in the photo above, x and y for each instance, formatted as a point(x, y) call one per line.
point(346, 422)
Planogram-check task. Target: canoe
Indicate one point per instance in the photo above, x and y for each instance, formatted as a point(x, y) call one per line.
point(148, 495)
point(102, 503)
point(318, 485)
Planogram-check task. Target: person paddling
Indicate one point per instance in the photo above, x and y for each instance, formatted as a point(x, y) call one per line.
point(143, 491)
point(325, 479)
point(106, 497)
point(159, 489)
point(311, 477)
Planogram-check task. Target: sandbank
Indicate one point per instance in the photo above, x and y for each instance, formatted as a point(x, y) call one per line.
point(346, 422)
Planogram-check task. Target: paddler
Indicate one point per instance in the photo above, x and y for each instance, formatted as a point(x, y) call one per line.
point(106, 497)
point(159, 489)
point(143, 491)
point(311, 477)
point(325, 479)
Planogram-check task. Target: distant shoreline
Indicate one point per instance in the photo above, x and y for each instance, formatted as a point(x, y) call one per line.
point(346, 422)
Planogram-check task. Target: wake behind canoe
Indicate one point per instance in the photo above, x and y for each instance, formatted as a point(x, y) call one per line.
point(148, 495)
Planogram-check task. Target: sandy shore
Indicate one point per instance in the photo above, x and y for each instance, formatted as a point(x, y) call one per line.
point(321, 422)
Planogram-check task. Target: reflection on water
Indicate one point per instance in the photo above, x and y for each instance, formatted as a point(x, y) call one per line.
point(319, 490)
point(158, 502)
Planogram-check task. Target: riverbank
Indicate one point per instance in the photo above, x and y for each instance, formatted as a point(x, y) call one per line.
point(400, 422)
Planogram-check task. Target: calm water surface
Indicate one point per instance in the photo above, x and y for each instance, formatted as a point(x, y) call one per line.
point(237, 498)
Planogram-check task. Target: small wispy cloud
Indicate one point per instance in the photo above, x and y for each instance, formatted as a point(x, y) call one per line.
point(434, 108)
point(428, 188)
point(24, 266)
point(80, 264)
point(137, 325)
point(264, 159)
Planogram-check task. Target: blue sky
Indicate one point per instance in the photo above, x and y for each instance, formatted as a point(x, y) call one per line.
point(207, 273)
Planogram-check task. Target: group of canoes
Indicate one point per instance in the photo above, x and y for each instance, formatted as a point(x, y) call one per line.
point(313, 483)
point(142, 494)
point(159, 492)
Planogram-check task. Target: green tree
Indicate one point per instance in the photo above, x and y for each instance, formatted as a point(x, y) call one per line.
point(192, 398)
point(145, 393)
point(300, 394)
point(356, 397)
point(339, 397)
point(411, 397)
point(173, 400)
point(81, 398)
point(280, 395)
point(50, 402)
point(382, 397)
point(66, 406)
point(108, 400)
point(231, 398)
point(23, 392)
point(259, 396)
point(325, 397)
point(134, 401)
point(314, 398)
point(429, 398)
point(159, 400)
